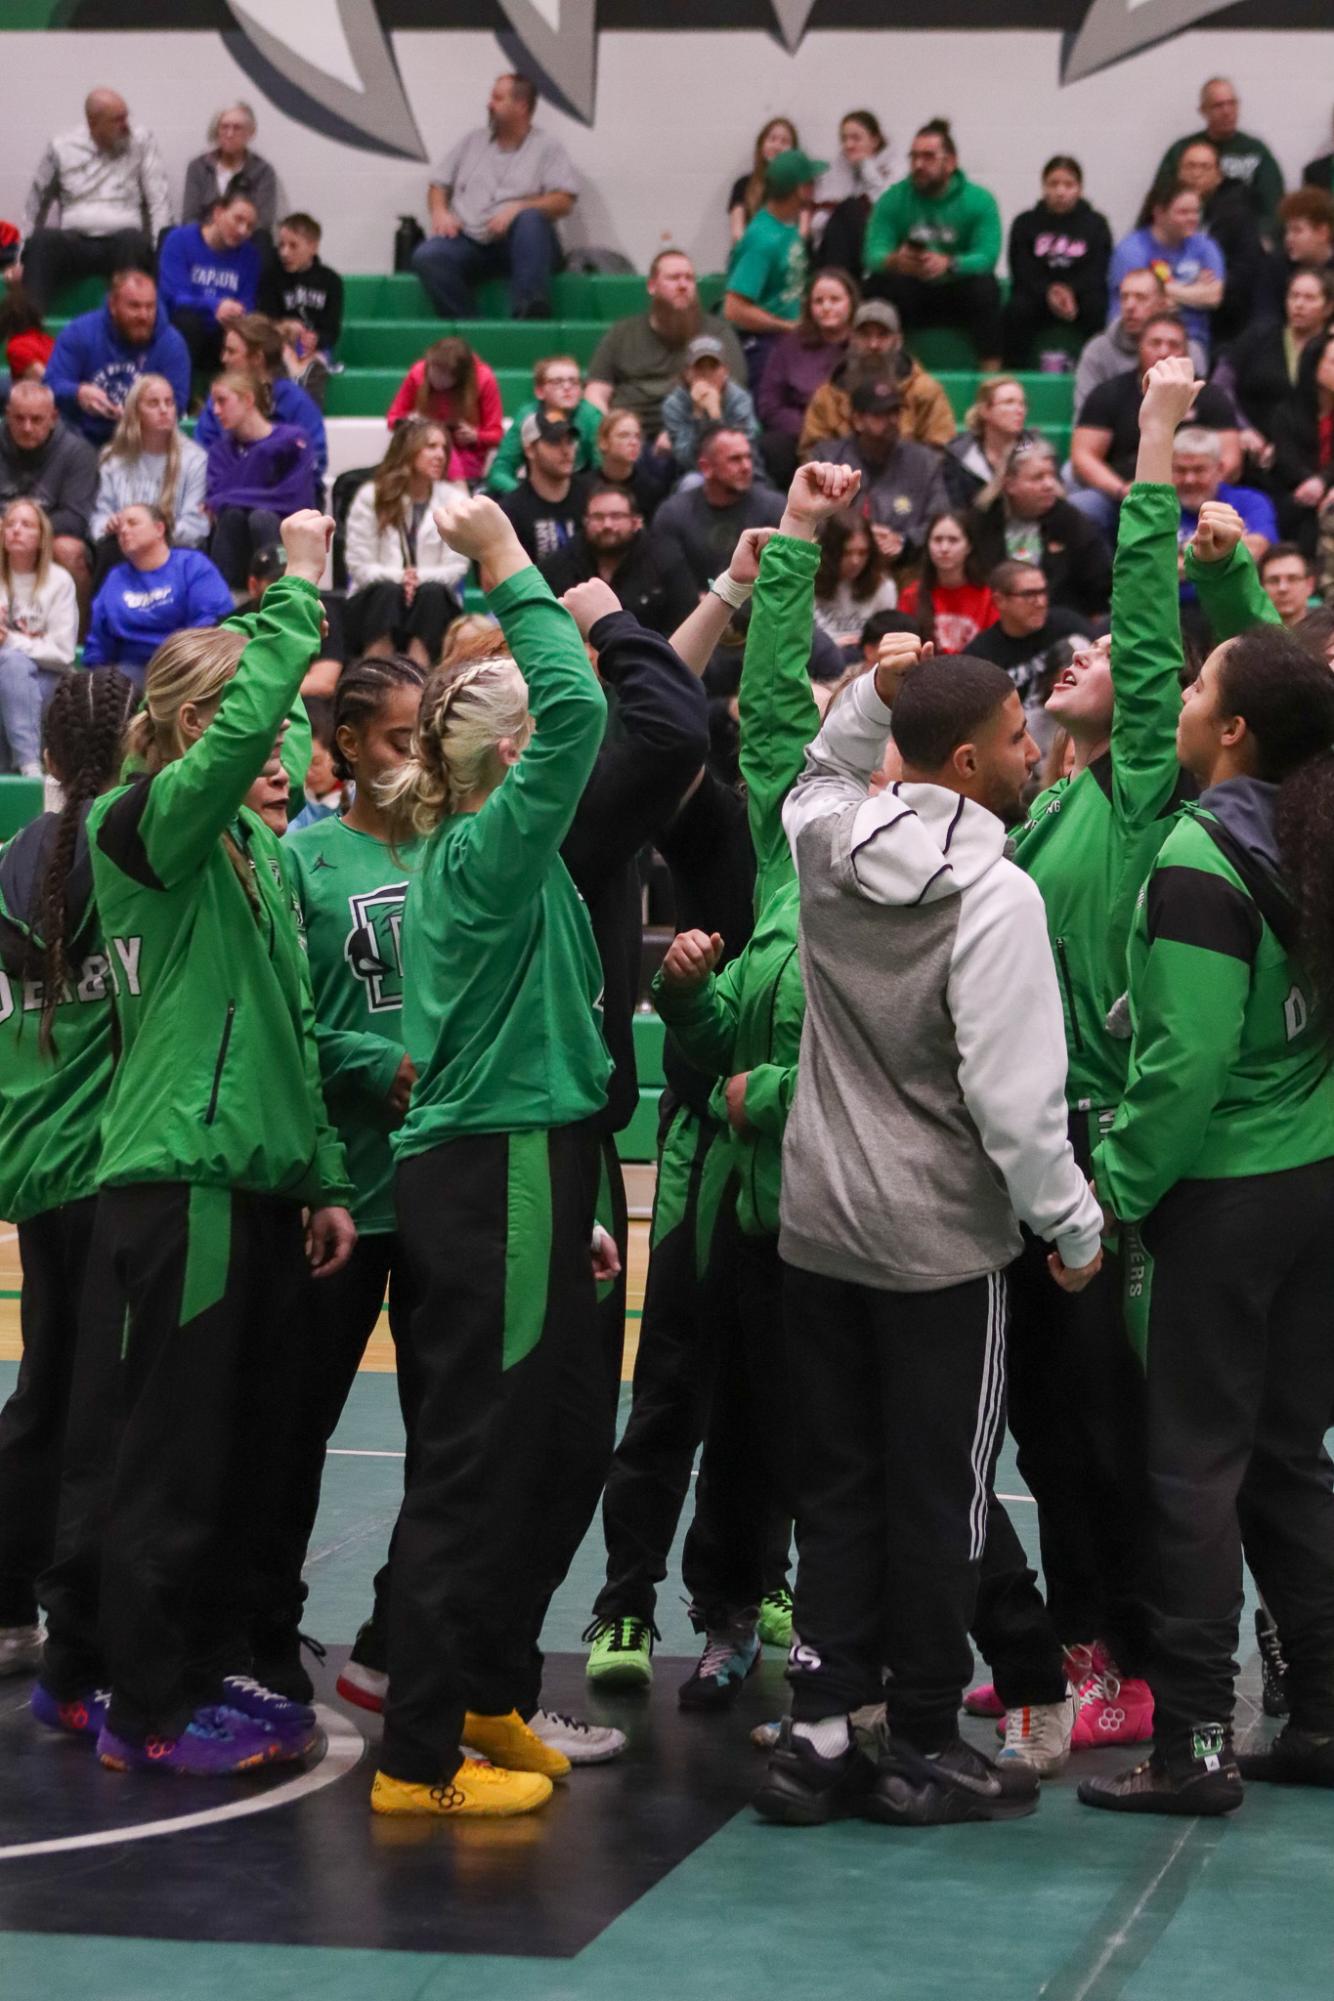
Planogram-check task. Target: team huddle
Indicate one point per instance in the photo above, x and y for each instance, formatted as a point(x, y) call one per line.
point(980, 1104)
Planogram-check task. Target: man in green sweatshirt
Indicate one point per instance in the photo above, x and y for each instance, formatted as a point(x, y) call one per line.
point(932, 244)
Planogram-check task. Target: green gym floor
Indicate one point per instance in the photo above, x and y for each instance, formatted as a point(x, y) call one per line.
point(666, 1887)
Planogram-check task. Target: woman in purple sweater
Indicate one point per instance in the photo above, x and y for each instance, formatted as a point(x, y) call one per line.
point(800, 363)
point(258, 473)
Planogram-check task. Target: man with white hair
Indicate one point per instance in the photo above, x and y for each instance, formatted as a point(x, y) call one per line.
point(1197, 475)
point(110, 186)
point(1243, 158)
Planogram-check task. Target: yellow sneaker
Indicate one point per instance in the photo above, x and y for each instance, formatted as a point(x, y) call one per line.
point(507, 1741)
point(476, 1791)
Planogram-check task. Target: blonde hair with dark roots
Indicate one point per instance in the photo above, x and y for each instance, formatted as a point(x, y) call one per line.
point(467, 709)
point(194, 665)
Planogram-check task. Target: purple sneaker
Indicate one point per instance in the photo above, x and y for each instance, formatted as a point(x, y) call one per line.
point(215, 1743)
point(292, 1723)
point(81, 1716)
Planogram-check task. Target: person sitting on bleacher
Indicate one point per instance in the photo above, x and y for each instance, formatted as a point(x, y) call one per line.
point(903, 484)
point(155, 591)
point(977, 458)
point(258, 473)
point(612, 544)
point(39, 632)
point(108, 181)
point(212, 176)
point(700, 526)
point(1140, 295)
point(405, 583)
point(557, 385)
point(1174, 241)
point(458, 390)
point(1031, 520)
point(149, 459)
point(44, 460)
point(99, 356)
point(876, 349)
point(253, 346)
point(303, 296)
point(766, 272)
point(1307, 218)
point(705, 395)
point(644, 477)
point(495, 202)
point(1059, 252)
point(932, 246)
point(209, 274)
point(547, 506)
point(639, 359)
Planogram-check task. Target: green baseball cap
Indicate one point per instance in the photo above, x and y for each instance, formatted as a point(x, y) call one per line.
point(791, 170)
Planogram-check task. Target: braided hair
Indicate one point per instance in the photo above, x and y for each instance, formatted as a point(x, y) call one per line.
point(83, 736)
point(360, 694)
point(467, 709)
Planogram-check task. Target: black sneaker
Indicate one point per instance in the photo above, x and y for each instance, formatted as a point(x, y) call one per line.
point(731, 1655)
point(1205, 1783)
point(1273, 1667)
point(956, 1784)
point(364, 1680)
point(1295, 1758)
point(802, 1789)
point(278, 1664)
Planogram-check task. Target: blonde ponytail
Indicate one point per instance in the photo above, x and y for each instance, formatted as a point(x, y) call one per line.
point(193, 665)
point(467, 709)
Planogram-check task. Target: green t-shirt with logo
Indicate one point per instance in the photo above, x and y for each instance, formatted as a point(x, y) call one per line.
point(351, 889)
point(768, 266)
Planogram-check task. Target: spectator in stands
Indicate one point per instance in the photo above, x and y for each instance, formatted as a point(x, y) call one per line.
point(644, 477)
point(209, 274)
point(746, 200)
point(253, 346)
point(1319, 173)
point(258, 473)
point(1288, 576)
point(1030, 519)
point(852, 583)
point(558, 384)
point(845, 195)
point(932, 245)
point(1303, 468)
point(706, 395)
point(303, 293)
point(155, 591)
point(1226, 215)
point(1307, 220)
point(108, 181)
point(876, 349)
point(26, 343)
point(1026, 630)
point(148, 459)
point(1059, 252)
point(99, 356)
point(950, 601)
point(700, 526)
point(612, 544)
point(1242, 158)
point(44, 460)
point(405, 583)
point(456, 388)
point(39, 633)
point(902, 483)
point(639, 359)
point(1173, 243)
point(1197, 475)
point(977, 458)
point(801, 362)
point(1261, 367)
point(1105, 443)
point(547, 505)
point(766, 273)
point(213, 175)
point(494, 205)
point(1139, 296)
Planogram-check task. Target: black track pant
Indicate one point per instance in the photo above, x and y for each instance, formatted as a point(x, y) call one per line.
point(382, 611)
point(1029, 320)
point(341, 1313)
point(512, 1414)
point(973, 305)
point(900, 1401)
point(238, 535)
point(1077, 1417)
point(1012, 1628)
point(1236, 1286)
point(54, 1250)
point(190, 1370)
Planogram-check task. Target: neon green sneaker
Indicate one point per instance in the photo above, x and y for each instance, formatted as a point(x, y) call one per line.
point(774, 1625)
point(621, 1654)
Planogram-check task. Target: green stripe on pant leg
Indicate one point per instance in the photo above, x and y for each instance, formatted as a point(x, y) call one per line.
point(527, 1243)
point(208, 1251)
point(1138, 1289)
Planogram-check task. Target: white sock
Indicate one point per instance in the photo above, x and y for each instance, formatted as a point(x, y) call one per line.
point(830, 1737)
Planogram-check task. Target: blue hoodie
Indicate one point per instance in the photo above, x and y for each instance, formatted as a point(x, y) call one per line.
point(92, 349)
point(192, 276)
point(291, 405)
point(135, 610)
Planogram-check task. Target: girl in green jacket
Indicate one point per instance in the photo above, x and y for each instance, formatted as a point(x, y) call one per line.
point(219, 1176)
point(496, 1184)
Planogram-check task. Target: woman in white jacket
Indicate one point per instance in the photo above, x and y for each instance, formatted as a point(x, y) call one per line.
point(406, 583)
point(150, 463)
point(39, 633)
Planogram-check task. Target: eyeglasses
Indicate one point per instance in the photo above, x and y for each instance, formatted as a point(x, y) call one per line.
point(560, 381)
point(1040, 592)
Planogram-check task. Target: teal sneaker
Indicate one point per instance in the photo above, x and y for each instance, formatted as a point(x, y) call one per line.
point(730, 1656)
point(774, 1625)
point(621, 1653)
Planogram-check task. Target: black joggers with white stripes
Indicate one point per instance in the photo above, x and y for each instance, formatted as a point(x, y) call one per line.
point(899, 1401)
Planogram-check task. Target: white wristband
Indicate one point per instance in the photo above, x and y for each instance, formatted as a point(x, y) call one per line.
point(731, 592)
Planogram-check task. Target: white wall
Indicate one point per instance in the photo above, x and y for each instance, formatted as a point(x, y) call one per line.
point(677, 114)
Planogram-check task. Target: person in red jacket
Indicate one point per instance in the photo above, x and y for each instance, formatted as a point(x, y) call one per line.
point(454, 387)
point(950, 602)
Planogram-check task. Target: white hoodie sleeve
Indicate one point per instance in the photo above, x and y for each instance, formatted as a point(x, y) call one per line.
point(1006, 1007)
point(839, 763)
point(56, 613)
point(363, 544)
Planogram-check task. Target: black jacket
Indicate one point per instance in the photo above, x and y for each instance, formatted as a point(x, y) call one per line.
point(60, 475)
point(1295, 432)
point(660, 593)
point(707, 849)
point(1254, 367)
point(1073, 250)
point(1075, 560)
point(1231, 220)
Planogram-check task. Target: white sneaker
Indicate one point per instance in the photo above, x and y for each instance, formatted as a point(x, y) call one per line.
point(582, 1743)
point(1039, 1734)
point(20, 1649)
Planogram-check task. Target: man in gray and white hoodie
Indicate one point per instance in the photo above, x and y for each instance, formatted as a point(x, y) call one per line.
point(929, 1119)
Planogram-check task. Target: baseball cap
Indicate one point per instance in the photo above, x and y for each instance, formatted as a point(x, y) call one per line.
point(878, 312)
point(552, 430)
point(876, 399)
point(705, 347)
point(791, 170)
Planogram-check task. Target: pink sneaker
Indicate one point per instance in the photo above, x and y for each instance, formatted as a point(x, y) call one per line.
point(1111, 1710)
point(983, 1701)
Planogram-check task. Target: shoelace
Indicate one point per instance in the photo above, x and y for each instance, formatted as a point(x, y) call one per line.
point(268, 1696)
point(623, 1636)
point(1104, 1686)
point(781, 1599)
point(571, 1723)
point(717, 1655)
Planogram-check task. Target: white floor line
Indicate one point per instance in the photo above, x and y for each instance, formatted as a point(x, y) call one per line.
point(345, 1746)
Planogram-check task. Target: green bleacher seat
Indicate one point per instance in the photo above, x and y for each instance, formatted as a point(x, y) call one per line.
point(503, 343)
point(20, 801)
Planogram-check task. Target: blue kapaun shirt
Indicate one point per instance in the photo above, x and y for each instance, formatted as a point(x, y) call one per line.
point(135, 610)
point(194, 276)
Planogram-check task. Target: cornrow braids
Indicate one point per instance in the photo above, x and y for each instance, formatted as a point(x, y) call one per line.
point(467, 710)
point(360, 695)
point(83, 734)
